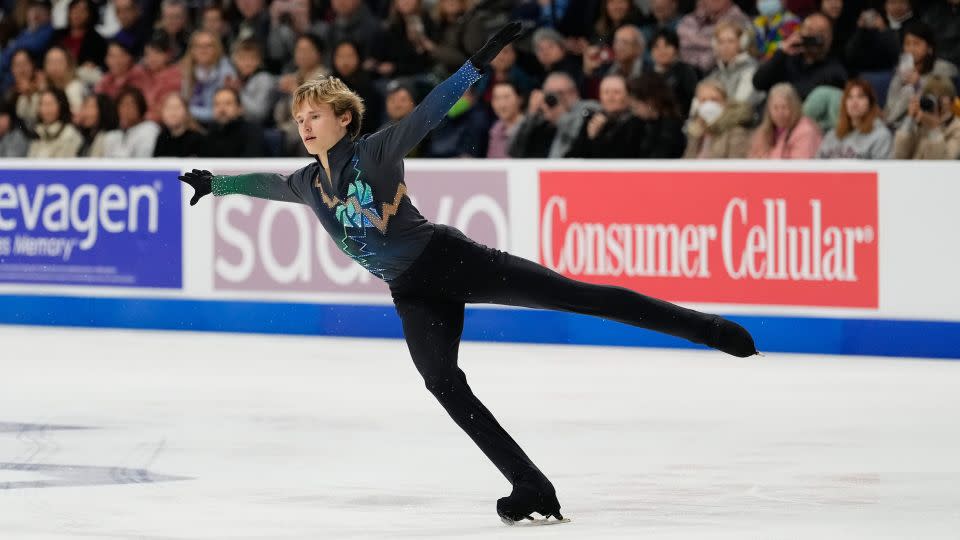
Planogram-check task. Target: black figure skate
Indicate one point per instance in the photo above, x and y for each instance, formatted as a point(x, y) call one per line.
point(524, 500)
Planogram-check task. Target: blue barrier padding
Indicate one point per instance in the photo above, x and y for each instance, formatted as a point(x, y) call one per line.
point(879, 337)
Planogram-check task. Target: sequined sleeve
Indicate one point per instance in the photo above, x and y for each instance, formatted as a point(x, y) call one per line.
point(276, 187)
point(396, 141)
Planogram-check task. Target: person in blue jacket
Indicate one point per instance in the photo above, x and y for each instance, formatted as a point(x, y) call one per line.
point(356, 188)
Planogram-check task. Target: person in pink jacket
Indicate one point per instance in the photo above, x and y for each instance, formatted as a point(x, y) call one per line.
point(785, 132)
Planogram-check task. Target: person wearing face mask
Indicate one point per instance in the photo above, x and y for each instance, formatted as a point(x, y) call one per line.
point(803, 60)
point(613, 132)
point(932, 130)
point(773, 25)
point(717, 129)
point(860, 131)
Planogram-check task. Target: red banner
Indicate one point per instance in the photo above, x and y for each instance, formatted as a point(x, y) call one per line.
point(769, 238)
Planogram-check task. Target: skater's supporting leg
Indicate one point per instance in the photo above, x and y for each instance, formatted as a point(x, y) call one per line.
point(432, 329)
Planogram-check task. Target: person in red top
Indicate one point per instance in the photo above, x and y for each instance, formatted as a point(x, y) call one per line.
point(87, 47)
point(120, 73)
point(157, 76)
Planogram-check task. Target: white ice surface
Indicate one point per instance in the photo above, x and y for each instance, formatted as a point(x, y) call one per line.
point(292, 437)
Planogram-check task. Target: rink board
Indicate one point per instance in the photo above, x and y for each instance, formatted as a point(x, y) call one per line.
point(821, 257)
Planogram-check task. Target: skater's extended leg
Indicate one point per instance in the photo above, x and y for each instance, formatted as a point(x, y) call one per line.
point(478, 274)
point(432, 329)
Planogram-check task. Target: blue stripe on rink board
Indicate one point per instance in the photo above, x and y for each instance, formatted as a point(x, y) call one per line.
point(881, 337)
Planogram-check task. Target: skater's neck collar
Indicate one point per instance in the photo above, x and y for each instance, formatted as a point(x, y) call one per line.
point(340, 152)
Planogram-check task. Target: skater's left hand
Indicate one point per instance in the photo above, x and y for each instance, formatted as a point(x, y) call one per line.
point(510, 32)
point(200, 181)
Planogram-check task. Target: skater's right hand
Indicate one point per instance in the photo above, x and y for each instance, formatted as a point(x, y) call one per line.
point(200, 181)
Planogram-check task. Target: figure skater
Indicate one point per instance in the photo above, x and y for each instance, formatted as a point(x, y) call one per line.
point(357, 191)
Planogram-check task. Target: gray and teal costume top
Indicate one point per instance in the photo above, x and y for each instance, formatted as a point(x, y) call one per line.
point(364, 206)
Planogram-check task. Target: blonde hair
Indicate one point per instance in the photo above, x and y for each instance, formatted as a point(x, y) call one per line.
point(765, 136)
point(187, 64)
point(335, 93)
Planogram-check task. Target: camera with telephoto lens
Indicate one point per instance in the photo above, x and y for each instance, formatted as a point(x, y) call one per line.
point(551, 100)
point(928, 103)
point(811, 42)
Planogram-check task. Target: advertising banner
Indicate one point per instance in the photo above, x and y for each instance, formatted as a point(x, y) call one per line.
point(91, 227)
point(767, 238)
point(271, 246)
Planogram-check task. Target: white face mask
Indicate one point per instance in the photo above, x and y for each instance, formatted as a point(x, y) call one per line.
point(769, 8)
point(709, 111)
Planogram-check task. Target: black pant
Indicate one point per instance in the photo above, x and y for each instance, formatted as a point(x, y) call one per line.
point(454, 270)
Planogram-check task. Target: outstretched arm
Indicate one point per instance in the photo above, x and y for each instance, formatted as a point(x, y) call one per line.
point(275, 187)
point(396, 141)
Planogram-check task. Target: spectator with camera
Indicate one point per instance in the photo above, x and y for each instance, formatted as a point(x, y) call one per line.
point(653, 102)
point(717, 128)
point(696, 31)
point(735, 64)
point(918, 63)
point(785, 133)
point(860, 131)
point(555, 115)
point(613, 131)
point(931, 130)
point(803, 60)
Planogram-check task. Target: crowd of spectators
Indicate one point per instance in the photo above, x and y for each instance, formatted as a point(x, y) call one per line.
point(694, 79)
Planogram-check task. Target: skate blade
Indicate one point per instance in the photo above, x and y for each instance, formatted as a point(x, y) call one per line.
point(533, 522)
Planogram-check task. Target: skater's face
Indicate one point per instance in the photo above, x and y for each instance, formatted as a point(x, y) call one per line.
point(319, 127)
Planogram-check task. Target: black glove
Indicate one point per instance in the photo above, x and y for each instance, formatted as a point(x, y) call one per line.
point(509, 33)
point(200, 181)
